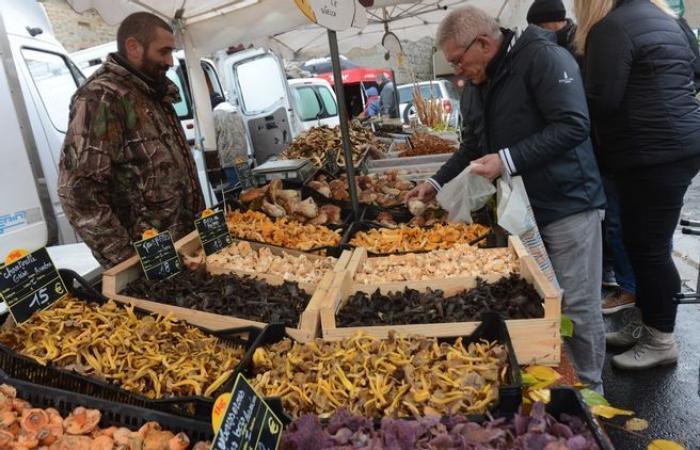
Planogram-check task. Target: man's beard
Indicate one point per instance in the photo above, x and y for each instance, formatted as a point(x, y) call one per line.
point(154, 70)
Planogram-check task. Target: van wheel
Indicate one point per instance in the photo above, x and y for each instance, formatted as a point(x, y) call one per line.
point(409, 113)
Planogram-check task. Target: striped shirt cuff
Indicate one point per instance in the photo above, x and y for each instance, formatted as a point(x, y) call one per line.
point(435, 184)
point(508, 163)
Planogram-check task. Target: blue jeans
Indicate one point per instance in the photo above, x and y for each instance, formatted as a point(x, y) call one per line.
point(624, 274)
point(231, 176)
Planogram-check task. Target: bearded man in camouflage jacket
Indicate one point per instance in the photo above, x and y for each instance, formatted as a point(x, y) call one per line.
point(125, 164)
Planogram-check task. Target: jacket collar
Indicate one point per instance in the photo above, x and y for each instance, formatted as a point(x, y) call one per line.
point(565, 35)
point(495, 64)
point(166, 91)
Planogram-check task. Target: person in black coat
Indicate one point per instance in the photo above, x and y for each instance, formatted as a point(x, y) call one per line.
point(551, 15)
point(639, 73)
point(524, 112)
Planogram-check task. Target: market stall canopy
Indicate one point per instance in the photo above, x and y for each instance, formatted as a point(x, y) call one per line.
point(408, 20)
point(217, 24)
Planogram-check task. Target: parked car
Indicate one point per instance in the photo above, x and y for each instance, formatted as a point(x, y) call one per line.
point(315, 100)
point(437, 89)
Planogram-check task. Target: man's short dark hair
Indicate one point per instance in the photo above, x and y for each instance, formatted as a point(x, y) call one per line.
point(142, 27)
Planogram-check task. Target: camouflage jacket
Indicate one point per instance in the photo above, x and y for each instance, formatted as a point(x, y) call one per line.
point(125, 164)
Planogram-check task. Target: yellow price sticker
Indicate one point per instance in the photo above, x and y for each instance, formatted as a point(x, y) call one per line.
point(218, 411)
point(15, 255)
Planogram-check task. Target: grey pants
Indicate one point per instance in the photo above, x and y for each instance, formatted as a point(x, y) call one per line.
point(574, 245)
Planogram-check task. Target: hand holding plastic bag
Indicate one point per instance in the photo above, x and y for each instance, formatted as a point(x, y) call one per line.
point(465, 193)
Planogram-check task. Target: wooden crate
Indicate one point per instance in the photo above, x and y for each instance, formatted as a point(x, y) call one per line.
point(115, 280)
point(360, 256)
point(536, 341)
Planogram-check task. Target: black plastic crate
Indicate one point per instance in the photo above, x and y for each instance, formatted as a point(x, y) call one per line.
point(25, 368)
point(113, 414)
point(364, 226)
point(491, 328)
point(566, 400)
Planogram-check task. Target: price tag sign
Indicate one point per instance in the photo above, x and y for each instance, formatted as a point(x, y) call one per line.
point(213, 232)
point(245, 175)
point(248, 423)
point(335, 15)
point(30, 284)
point(158, 256)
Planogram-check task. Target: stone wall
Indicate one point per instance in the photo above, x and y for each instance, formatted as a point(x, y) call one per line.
point(77, 31)
point(418, 63)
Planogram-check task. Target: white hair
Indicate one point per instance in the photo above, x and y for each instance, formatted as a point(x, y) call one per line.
point(464, 24)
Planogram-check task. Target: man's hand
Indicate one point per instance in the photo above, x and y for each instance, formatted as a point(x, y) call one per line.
point(423, 192)
point(489, 166)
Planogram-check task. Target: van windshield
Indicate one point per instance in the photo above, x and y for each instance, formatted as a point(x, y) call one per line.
point(261, 85)
point(406, 92)
point(54, 81)
point(314, 102)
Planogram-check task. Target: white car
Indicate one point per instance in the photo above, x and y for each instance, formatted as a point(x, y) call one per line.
point(441, 89)
point(316, 102)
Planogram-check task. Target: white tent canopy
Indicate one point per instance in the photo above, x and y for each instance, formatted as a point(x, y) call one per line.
point(409, 21)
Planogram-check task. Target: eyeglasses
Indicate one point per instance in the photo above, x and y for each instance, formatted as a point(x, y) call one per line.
point(458, 61)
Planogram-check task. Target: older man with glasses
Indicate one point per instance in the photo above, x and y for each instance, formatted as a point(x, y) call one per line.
point(524, 112)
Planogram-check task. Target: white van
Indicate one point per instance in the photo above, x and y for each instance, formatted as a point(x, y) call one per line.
point(316, 102)
point(37, 80)
point(274, 108)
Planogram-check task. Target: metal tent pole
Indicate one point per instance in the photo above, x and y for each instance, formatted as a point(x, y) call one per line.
point(344, 130)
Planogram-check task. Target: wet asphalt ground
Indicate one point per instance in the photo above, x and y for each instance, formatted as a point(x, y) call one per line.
point(668, 397)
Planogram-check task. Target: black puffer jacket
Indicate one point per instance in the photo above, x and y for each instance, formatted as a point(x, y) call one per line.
point(534, 105)
point(639, 77)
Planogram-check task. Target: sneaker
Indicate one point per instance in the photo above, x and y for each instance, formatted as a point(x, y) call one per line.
point(617, 300)
point(629, 334)
point(655, 348)
point(609, 278)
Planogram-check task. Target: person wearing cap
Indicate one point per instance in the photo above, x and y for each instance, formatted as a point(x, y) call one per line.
point(551, 15)
point(524, 112)
point(387, 97)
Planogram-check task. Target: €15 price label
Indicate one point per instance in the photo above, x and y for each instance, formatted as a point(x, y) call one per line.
point(158, 256)
point(29, 284)
point(248, 422)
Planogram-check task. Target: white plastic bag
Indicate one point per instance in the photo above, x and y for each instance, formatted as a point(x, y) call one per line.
point(465, 193)
point(515, 216)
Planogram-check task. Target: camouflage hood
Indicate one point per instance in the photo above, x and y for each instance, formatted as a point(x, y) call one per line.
point(126, 165)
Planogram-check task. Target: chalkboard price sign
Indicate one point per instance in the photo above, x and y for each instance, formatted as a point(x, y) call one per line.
point(30, 284)
point(248, 423)
point(213, 232)
point(158, 256)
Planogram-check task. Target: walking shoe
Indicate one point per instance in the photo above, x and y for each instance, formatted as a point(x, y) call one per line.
point(655, 348)
point(617, 300)
point(609, 278)
point(629, 334)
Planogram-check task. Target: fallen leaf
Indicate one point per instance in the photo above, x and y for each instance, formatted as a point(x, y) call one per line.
point(610, 411)
point(592, 398)
point(540, 395)
point(543, 373)
point(636, 424)
point(566, 328)
point(529, 380)
point(663, 444)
